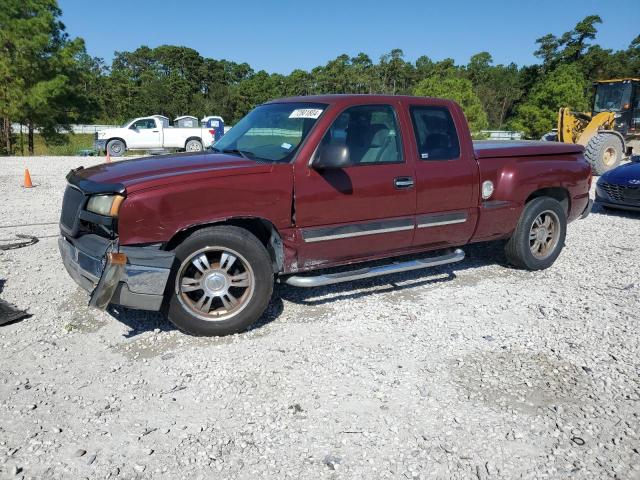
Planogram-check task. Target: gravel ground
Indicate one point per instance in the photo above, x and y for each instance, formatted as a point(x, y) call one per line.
point(474, 371)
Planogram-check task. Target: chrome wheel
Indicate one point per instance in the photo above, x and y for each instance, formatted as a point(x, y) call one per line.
point(544, 234)
point(215, 283)
point(116, 148)
point(193, 146)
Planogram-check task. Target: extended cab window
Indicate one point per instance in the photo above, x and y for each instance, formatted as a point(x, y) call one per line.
point(435, 133)
point(143, 124)
point(369, 131)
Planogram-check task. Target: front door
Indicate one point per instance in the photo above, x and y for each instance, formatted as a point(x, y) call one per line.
point(145, 134)
point(365, 209)
point(446, 178)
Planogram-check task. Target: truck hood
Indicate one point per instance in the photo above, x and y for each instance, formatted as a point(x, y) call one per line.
point(159, 170)
point(626, 174)
point(110, 132)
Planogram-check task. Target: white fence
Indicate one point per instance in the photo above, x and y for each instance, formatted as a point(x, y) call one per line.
point(502, 135)
point(15, 127)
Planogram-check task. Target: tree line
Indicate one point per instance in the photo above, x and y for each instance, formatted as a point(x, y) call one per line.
point(48, 81)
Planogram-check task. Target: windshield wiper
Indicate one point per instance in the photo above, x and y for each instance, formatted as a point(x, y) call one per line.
point(243, 153)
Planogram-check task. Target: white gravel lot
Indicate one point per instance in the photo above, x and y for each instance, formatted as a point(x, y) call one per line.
point(473, 371)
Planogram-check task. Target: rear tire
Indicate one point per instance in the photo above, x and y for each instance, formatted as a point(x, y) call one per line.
point(236, 274)
point(116, 148)
point(532, 228)
point(193, 146)
point(604, 152)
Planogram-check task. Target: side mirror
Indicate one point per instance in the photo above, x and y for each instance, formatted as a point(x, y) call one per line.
point(331, 157)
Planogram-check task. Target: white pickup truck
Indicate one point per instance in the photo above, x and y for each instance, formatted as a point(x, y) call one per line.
point(152, 133)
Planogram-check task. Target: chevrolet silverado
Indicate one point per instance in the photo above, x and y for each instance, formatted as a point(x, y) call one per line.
point(302, 185)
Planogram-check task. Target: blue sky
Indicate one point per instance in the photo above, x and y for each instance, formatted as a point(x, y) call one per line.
point(279, 36)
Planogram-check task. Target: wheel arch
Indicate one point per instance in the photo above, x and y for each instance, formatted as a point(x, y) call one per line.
point(262, 228)
point(560, 194)
point(116, 138)
point(195, 137)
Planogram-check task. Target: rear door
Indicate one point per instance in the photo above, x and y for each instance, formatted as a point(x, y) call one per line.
point(446, 176)
point(365, 209)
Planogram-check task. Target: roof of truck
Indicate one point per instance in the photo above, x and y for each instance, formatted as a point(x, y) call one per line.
point(360, 97)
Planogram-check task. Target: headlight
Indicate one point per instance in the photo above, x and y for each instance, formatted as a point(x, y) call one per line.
point(107, 205)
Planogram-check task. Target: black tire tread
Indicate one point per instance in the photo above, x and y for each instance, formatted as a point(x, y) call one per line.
point(593, 152)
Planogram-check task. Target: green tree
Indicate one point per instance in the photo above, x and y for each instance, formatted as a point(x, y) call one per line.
point(460, 90)
point(45, 67)
point(563, 87)
point(570, 46)
point(498, 87)
point(395, 73)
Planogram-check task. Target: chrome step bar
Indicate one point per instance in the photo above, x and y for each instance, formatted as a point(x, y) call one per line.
point(330, 278)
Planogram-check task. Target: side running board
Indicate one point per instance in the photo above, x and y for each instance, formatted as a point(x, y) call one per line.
point(331, 278)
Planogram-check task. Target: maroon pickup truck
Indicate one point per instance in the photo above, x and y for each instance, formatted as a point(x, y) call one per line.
point(308, 183)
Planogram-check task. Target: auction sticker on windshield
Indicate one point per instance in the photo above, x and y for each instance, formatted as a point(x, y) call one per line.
point(306, 113)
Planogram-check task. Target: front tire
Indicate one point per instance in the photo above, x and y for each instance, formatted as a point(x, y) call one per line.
point(604, 152)
point(539, 236)
point(116, 148)
point(222, 282)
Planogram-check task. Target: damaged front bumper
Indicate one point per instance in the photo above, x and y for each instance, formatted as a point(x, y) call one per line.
point(587, 210)
point(133, 277)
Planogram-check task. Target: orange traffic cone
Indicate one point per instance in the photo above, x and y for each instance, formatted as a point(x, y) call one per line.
point(27, 179)
point(108, 159)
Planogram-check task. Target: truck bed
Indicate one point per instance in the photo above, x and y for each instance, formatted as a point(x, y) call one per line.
point(523, 148)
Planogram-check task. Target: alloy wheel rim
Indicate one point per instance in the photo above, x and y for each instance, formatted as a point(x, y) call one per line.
point(215, 283)
point(194, 147)
point(544, 234)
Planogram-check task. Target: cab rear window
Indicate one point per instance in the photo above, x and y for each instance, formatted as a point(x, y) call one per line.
point(435, 133)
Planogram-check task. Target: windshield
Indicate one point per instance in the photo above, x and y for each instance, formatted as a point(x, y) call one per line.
point(271, 132)
point(612, 97)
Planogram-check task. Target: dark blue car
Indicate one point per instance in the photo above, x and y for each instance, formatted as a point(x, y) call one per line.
point(620, 187)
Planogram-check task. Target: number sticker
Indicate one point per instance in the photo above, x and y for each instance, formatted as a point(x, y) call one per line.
point(306, 113)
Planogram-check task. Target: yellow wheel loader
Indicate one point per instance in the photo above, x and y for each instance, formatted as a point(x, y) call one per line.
point(610, 132)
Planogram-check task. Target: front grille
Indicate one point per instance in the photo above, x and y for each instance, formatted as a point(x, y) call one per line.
point(621, 193)
point(72, 202)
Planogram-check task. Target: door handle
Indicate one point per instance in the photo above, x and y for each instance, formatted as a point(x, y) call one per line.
point(403, 182)
point(155, 131)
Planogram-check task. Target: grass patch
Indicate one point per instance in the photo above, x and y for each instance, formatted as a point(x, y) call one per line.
point(75, 143)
